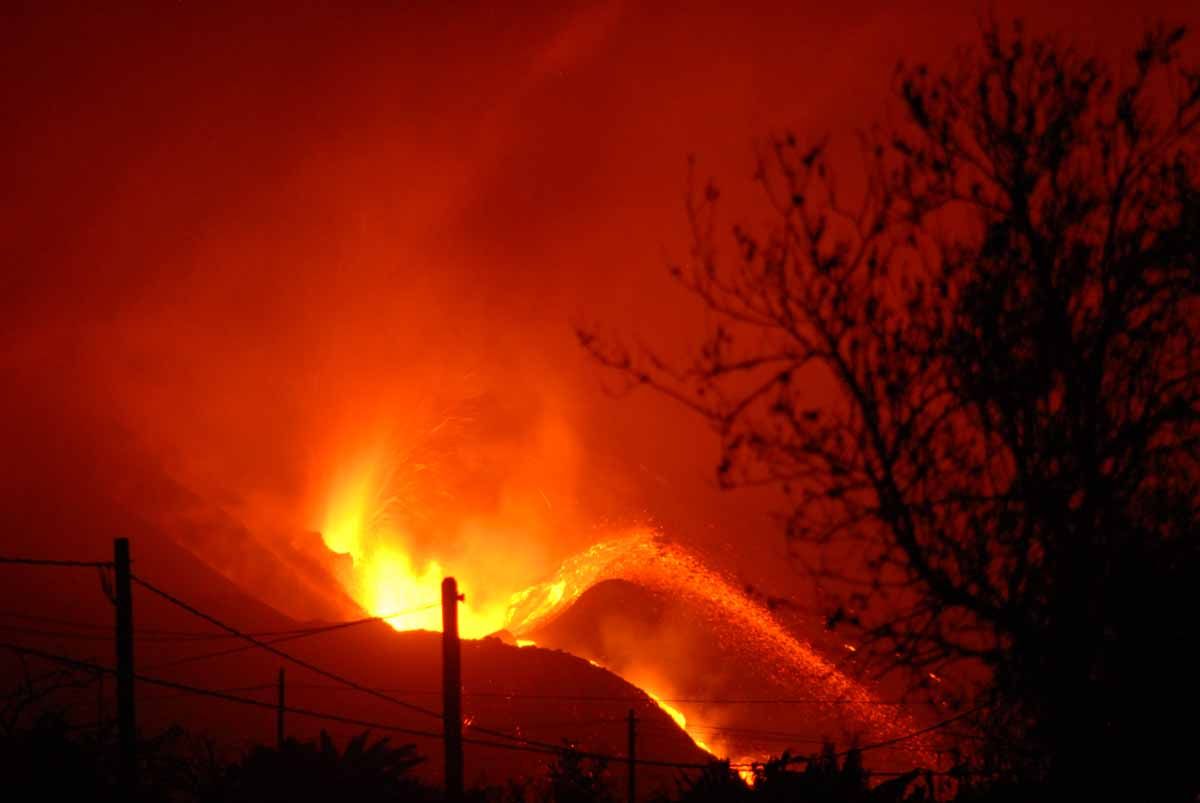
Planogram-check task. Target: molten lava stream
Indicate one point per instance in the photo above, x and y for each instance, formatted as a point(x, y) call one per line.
point(742, 762)
point(674, 713)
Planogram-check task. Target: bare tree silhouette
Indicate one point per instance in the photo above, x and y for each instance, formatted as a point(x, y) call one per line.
point(1007, 315)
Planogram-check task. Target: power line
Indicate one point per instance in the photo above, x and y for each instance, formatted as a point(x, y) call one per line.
point(214, 693)
point(324, 672)
point(758, 735)
point(29, 617)
point(920, 731)
point(145, 638)
point(789, 701)
point(280, 653)
point(896, 739)
point(902, 738)
point(233, 690)
point(698, 700)
point(598, 698)
point(204, 656)
point(37, 631)
point(290, 636)
point(383, 696)
point(527, 746)
point(330, 717)
point(90, 564)
point(159, 635)
point(535, 746)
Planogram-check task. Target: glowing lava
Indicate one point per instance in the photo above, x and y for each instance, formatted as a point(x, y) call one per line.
point(674, 713)
point(644, 558)
point(361, 521)
point(680, 720)
point(368, 524)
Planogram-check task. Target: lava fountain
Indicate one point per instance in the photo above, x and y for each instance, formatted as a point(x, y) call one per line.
point(747, 640)
point(363, 520)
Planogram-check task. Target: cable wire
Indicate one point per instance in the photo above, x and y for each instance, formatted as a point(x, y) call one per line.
point(599, 698)
point(326, 673)
point(280, 653)
point(532, 743)
point(330, 717)
point(291, 636)
point(88, 564)
point(159, 635)
point(918, 732)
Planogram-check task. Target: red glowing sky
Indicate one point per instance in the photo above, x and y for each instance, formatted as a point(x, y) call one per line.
point(230, 239)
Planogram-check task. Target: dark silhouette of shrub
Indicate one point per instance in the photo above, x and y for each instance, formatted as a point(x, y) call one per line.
point(318, 771)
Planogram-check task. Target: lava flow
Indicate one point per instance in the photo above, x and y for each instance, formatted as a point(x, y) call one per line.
point(742, 640)
point(722, 644)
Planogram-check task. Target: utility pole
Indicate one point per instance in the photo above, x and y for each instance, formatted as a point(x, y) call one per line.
point(126, 722)
point(279, 713)
point(452, 691)
point(632, 753)
point(100, 700)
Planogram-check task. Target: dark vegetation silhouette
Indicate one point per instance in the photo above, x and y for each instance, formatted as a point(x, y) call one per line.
point(46, 758)
point(824, 777)
point(300, 770)
point(975, 377)
point(575, 778)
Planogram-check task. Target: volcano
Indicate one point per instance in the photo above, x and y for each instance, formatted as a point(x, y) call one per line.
point(632, 616)
point(633, 624)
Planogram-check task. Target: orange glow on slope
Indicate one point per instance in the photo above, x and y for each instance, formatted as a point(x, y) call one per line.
point(673, 712)
point(680, 720)
point(743, 770)
point(670, 710)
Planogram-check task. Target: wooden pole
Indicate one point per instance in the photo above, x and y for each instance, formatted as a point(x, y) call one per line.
point(100, 700)
point(126, 721)
point(632, 753)
point(279, 713)
point(452, 691)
